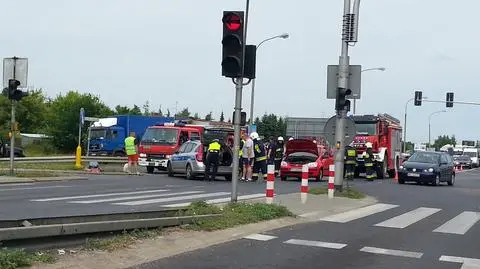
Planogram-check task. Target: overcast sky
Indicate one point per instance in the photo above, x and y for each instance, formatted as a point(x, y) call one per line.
point(167, 51)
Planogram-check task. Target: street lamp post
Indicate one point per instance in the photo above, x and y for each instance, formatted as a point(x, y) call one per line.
point(405, 123)
point(429, 123)
point(252, 100)
point(365, 70)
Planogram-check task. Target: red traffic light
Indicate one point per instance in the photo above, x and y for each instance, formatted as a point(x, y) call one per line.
point(232, 21)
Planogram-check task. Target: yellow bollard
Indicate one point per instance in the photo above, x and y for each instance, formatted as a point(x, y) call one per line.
point(78, 158)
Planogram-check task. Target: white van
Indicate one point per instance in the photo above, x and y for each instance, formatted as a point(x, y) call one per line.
point(473, 154)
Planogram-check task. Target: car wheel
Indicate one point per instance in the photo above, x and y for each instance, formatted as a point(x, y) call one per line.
point(401, 181)
point(169, 170)
point(150, 169)
point(437, 181)
point(451, 182)
point(189, 172)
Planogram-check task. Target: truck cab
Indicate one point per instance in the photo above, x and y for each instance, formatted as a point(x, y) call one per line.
point(106, 141)
point(160, 141)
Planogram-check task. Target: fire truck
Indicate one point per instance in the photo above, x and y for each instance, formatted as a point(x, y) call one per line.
point(384, 132)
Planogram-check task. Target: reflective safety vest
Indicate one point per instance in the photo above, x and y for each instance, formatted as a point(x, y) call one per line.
point(130, 146)
point(350, 156)
point(240, 151)
point(214, 147)
point(259, 149)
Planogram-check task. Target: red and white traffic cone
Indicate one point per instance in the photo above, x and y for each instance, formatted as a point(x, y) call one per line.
point(270, 183)
point(304, 185)
point(331, 180)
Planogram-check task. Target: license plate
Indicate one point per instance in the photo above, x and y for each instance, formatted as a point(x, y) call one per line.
point(413, 175)
point(296, 169)
point(151, 164)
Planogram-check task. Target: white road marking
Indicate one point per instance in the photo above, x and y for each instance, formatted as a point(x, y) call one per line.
point(408, 218)
point(460, 224)
point(220, 200)
point(320, 244)
point(161, 200)
point(260, 237)
point(468, 263)
point(95, 195)
point(392, 252)
point(133, 197)
point(358, 213)
point(34, 188)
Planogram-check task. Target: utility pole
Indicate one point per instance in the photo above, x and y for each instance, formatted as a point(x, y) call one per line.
point(349, 34)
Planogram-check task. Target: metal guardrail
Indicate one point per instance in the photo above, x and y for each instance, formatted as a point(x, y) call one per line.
point(63, 159)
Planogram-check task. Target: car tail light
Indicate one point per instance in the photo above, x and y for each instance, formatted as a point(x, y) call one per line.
point(199, 156)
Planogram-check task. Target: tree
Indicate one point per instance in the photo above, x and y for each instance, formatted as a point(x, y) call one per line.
point(196, 116)
point(209, 117)
point(168, 113)
point(146, 108)
point(222, 117)
point(271, 126)
point(443, 140)
point(63, 118)
point(183, 114)
point(125, 110)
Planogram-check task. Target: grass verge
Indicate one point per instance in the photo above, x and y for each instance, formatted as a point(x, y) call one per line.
point(30, 174)
point(17, 258)
point(44, 166)
point(347, 193)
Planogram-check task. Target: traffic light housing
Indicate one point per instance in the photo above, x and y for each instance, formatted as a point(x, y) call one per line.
point(232, 44)
point(13, 92)
point(418, 98)
point(243, 118)
point(341, 102)
point(449, 102)
point(250, 61)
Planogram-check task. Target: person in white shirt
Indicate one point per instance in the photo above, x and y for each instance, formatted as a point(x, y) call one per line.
point(247, 158)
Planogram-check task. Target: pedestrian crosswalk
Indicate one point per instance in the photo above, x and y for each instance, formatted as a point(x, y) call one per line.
point(459, 223)
point(162, 197)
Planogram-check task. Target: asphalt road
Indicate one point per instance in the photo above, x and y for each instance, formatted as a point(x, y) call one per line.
point(111, 194)
point(413, 226)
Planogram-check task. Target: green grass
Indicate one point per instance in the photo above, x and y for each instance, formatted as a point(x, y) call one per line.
point(347, 192)
point(234, 214)
point(41, 149)
point(17, 258)
point(43, 166)
point(123, 240)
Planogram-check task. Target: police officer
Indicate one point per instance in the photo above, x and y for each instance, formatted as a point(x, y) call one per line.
point(260, 162)
point(370, 172)
point(350, 162)
point(212, 159)
point(279, 151)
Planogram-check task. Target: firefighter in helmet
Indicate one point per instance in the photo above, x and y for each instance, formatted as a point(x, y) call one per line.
point(350, 162)
point(260, 162)
point(279, 151)
point(370, 172)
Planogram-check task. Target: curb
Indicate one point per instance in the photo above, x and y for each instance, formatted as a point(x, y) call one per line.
point(14, 180)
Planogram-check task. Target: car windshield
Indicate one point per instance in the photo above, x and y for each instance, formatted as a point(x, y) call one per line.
point(462, 158)
point(160, 136)
point(470, 153)
point(424, 157)
point(97, 133)
point(366, 128)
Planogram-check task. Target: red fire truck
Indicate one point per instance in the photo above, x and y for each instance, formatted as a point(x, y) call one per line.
point(384, 132)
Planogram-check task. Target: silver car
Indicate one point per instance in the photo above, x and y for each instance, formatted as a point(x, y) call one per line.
point(189, 158)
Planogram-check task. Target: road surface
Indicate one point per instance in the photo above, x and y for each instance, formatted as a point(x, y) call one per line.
point(413, 226)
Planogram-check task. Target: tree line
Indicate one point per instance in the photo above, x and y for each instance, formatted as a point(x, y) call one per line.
point(59, 117)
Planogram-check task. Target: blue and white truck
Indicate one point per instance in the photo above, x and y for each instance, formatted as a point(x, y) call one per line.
point(107, 135)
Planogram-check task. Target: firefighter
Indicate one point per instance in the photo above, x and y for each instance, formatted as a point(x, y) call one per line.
point(279, 151)
point(212, 159)
point(350, 162)
point(370, 172)
point(260, 162)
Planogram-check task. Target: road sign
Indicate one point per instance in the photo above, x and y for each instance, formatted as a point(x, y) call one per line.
point(15, 68)
point(329, 130)
point(82, 115)
point(91, 119)
point(354, 81)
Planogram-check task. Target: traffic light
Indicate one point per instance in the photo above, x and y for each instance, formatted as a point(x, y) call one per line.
point(418, 98)
point(13, 92)
point(243, 118)
point(250, 61)
point(232, 42)
point(449, 99)
point(341, 101)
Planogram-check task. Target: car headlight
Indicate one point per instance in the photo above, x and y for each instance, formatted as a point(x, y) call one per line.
point(312, 165)
point(168, 156)
point(401, 167)
point(430, 170)
point(283, 163)
point(457, 163)
point(143, 155)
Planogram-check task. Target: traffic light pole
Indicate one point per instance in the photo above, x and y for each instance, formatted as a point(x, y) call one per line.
point(12, 139)
point(236, 138)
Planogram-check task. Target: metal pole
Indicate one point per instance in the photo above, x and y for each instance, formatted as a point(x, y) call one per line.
point(429, 145)
point(340, 121)
point(12, 139)
point(354, 106)
point(88, 140)
point(405, 126)
point(252, 101)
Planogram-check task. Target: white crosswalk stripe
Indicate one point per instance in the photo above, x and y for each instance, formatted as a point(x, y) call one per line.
point(221, 200)
point(460, 224)
point(358, 213)
point(95, 195)
point(171, 199)
point(132, 197)
point(408, 218)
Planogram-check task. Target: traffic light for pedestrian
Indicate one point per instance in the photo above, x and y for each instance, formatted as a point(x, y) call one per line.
point(232, 42)
point(449, 99)
point(418, 98)
point(341, 101)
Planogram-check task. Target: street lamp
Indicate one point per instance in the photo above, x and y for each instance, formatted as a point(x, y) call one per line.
point(429, 123)
point(365, 70)
point(405, 123)
point(252, 100)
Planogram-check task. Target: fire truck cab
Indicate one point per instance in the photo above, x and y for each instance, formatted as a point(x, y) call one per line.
point(384, 132)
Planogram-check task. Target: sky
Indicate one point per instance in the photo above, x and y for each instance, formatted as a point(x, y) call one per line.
point(169, 52)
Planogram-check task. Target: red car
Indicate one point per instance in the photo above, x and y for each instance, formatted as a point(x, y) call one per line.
point(299, 152)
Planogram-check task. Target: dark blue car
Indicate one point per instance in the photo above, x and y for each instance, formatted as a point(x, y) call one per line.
point(428, 167)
